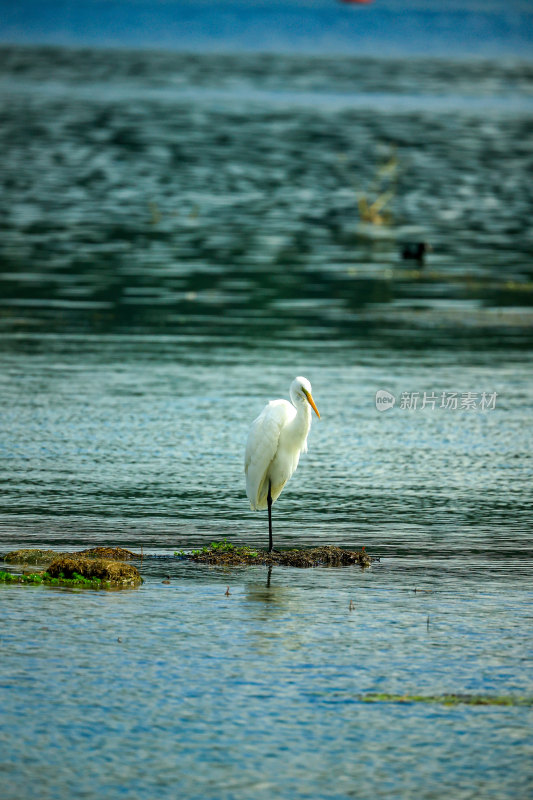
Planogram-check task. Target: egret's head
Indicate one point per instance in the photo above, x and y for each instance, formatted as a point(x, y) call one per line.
point(301, 390)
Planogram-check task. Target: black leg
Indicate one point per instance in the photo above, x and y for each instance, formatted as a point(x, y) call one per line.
point(269, 503)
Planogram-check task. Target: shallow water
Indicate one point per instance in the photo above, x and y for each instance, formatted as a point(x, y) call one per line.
point(259, 692)
point(175, 249)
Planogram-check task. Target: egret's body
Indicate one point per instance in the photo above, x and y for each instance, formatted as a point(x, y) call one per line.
point(275, 441)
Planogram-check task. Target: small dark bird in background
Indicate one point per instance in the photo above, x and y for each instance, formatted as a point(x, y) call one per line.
point(167, 579)
point(415, 251)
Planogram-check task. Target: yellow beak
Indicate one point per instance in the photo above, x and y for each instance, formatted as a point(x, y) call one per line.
point(311, 402)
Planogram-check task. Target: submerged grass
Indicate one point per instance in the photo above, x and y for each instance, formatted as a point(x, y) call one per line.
point(450, 699)
point(226, 553)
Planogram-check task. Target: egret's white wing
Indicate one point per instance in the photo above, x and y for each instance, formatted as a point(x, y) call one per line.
point(261, 448)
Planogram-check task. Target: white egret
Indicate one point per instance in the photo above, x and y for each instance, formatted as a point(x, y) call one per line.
point(275, 441)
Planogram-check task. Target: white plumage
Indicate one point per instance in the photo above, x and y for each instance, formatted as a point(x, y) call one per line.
point(275, 441)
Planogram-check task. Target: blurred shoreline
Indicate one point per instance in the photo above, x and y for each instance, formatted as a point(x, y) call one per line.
point(395, 28)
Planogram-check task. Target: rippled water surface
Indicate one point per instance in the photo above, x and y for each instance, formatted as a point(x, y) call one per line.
point(179, 239)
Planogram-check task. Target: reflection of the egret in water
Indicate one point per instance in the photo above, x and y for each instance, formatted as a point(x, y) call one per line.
point(269, 601)
point(278, 612)
point(268, 594)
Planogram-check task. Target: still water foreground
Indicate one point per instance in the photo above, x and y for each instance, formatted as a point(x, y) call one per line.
point(182, 688)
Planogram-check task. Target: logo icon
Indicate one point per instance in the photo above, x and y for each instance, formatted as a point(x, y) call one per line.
point(384, 400)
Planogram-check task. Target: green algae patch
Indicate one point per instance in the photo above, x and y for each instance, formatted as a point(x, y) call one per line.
point(30, 556)
point(450, 699)
point(225, 553)
point(45, 579)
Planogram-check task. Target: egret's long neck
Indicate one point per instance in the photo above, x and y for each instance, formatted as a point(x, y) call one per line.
point(299, 427)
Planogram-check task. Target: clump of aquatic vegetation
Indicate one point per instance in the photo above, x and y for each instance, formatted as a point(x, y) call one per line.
point(221, 552)
point(116, 572)
point(38, 578)
point(36, 556)
point(374, 201)
point(30, 556)
point(110, 553)
point(450, 699)
point(227, 547)
point(226, 553)
point(81, 571)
